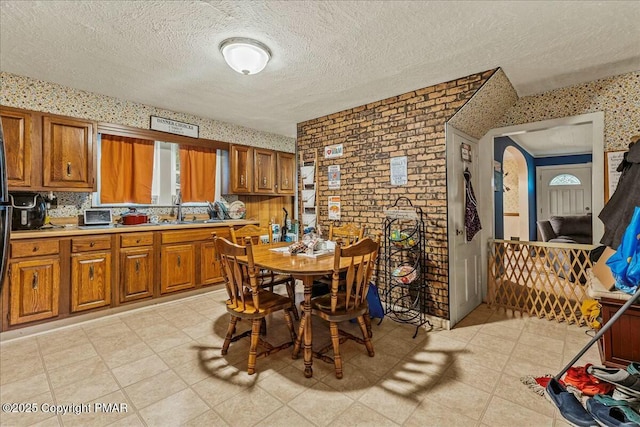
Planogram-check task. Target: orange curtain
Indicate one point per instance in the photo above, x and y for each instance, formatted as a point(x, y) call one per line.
point(126, 170)
point(197, 173)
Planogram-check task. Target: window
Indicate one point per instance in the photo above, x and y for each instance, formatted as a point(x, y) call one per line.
point(166, 176)
point(565, 179)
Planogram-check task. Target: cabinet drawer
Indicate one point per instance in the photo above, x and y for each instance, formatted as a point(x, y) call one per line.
point(136, 239)
point(186, 236)
point(34, 248)
point(85, 244)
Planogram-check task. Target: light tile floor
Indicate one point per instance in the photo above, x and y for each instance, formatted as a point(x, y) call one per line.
point(163, 362)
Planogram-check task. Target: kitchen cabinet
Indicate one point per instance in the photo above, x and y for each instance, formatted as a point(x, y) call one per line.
point(177, 268)
point(16, 125)
point(48, 152)
point(264, 166)
point(210, 271)
point(136, 267)
point(286, 173)
point(90, 273)
point(34, 281)
point(241, 169)
point(261, 171)
point(620, 345)
point(67, 152)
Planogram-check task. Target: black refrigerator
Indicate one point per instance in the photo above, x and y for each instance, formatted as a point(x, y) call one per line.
point(5, 213)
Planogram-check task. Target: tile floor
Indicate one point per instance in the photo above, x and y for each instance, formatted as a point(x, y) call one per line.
point(163, 362)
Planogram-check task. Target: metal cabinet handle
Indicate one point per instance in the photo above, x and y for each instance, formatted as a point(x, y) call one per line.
point(137, 266)
point(68, 168)
point(286, 181)
point(178, 260)
point(92, 244)
point(34, 281)
point(91, 272)
point(35, 249)
point(138, 241)
point(241, 179)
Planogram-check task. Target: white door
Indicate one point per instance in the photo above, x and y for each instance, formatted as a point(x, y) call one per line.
point(563, 190)
point(465, 270)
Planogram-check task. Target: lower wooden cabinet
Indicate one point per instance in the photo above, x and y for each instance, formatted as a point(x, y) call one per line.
point(209, 267)
point(90, 280)
point(136, 273)
point(177, 272)
point(62, 276)
point(34, 290)
point(620, 345)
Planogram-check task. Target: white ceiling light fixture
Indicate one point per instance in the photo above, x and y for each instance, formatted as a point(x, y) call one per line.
point(246, 56)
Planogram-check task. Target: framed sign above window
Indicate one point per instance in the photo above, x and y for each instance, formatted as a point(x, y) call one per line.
point(175, 127)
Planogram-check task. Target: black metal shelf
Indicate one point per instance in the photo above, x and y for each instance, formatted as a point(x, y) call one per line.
point(405, 283)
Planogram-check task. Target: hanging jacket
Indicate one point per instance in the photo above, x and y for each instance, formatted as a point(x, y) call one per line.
point(617, 213)
point(471, 218)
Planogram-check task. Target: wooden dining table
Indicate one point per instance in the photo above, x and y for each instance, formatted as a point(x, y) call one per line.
point(304, 268)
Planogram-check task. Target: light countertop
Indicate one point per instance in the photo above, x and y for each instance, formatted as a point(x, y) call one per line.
point(93, 230)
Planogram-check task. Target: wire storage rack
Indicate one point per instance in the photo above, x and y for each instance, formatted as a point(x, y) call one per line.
point(405, 291)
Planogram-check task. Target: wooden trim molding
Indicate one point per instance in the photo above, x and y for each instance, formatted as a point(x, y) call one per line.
point(154, 135)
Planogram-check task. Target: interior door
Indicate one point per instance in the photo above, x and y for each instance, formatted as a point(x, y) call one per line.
point(563, 190)
point(465, 269)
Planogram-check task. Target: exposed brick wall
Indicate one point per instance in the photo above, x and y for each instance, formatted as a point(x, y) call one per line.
point(412, 125)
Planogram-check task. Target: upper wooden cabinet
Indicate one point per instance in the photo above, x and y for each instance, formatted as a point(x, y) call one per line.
point(16, 126)
point(286, 173)
point(67, 151)
point(241, 169)
point(47, 152)
point(264, 166)
point(261, 171)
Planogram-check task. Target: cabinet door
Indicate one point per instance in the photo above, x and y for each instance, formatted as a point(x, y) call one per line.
point(265, 171)
point(210, 268)
point(16, 126)
point(34, 290)
point(67, 153)
point(178, 271)
point(241, 169)
point(136, 273)
point(286, 173)
point(90, 280)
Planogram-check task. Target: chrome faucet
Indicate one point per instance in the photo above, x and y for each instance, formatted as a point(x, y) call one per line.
point(179, 203)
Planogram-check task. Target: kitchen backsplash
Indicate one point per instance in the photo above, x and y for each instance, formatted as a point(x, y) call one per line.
point(73, 204)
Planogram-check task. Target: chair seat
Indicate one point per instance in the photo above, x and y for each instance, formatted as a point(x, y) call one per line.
point(321, 306)
point(269, 302)
point(269, 279)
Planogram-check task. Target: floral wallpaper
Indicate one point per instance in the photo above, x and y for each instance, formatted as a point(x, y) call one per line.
point(31, 94)
point(484, 109)
point(617, 96)
point(511, 197)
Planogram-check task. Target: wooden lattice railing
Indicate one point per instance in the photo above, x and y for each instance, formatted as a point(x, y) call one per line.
point(542, 279)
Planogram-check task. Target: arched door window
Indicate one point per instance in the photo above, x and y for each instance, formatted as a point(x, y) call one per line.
point(565, 179)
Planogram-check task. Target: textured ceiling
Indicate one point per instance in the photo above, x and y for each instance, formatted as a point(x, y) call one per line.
point(327, 55)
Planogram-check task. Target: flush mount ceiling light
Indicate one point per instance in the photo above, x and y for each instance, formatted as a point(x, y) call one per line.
point(246, 56)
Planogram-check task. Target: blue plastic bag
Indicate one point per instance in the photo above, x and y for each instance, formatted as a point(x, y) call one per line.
point(625, 263)
point(375, 305)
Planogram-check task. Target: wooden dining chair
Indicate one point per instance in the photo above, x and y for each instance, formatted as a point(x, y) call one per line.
point(345, 303)
point(253, 304)
point(266, 278)
point(348, 234)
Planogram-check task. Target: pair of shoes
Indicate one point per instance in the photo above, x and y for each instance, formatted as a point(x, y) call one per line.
point(568, 405)
point(621, 378)
point(613, 416)
point(631, 399)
